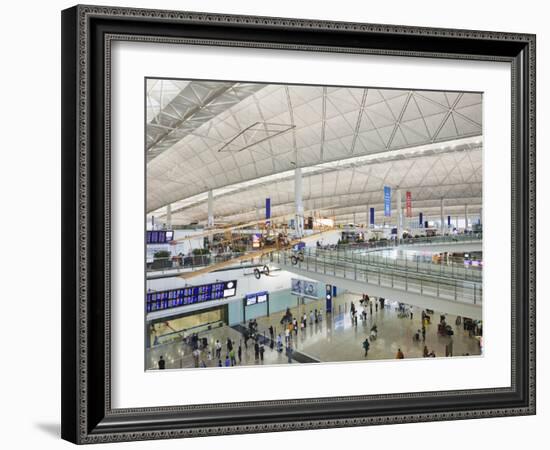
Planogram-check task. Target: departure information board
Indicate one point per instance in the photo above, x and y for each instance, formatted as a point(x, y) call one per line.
point(161, 300)
point(159, 236)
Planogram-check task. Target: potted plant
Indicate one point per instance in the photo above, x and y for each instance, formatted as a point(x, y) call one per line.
point(162, 260)
point(201, 256)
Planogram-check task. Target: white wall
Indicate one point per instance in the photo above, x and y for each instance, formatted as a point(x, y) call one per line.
point(277, 281)
point(30, 187)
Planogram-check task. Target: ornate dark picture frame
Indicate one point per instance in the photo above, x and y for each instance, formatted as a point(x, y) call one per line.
point(87, 35)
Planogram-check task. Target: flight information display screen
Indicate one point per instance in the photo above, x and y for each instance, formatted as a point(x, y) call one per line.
point(160, 236)
point(161, 300)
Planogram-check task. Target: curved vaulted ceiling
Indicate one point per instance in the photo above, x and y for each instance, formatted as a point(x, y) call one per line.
point(244, 140)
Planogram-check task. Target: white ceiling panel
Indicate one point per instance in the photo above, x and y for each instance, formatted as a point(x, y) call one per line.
point(218, 135)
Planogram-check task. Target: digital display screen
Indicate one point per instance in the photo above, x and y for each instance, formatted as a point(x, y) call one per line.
point(161, 300)
point(258, 297)
point(160, 236)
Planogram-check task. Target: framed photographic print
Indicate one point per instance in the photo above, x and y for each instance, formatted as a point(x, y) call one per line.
point(280, 224)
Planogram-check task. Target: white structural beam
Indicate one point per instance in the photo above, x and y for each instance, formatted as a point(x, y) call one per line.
point(299, 221)
point(399, 215)
point(169, 216)
point(210, 208)
point(442, 217)
point(466, 216)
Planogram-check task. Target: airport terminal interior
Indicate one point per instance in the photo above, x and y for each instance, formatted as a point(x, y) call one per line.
point(294, 224)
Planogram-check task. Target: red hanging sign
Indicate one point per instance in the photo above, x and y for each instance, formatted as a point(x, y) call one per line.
point(408, 204)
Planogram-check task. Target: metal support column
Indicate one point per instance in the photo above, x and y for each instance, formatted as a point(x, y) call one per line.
point(298, 201)
point(210, 208)
point(399, 216)
point(442, 218)
point(169, 216)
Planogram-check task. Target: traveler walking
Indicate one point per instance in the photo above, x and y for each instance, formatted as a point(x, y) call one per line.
point(161, 363)
point(196, 356)
point(366, 346)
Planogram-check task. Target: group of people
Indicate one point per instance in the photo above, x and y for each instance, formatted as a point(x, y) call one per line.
point(230, 354)
point(204, 356)
point(366, 309)
point(419, 335)
point(292, 323)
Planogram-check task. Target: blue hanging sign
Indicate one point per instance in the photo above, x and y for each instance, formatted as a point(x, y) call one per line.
point(267, 210)
point(387, 201)
point(371, 216)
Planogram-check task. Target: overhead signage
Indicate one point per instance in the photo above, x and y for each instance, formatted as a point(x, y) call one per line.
point(160, 236)
point(408, 204)
point(371, 216)
point(258, 297)
point(387, 201)
point(304, 288)
point(267, 211)
point(420, 219)
point(161, 300)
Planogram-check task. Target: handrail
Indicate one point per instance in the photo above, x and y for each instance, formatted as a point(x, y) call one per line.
point(187, 331)
point(202, 261)
point(426, 284)
point(452, 270)
point(392, 243)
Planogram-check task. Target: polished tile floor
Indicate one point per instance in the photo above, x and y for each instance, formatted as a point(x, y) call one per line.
point(334, 339)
